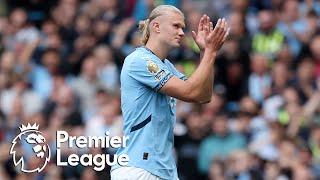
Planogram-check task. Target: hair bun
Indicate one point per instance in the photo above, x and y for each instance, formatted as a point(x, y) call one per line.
point(143, 25)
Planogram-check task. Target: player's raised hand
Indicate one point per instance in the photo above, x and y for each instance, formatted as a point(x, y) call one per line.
point(217, 36)
point(204, 28)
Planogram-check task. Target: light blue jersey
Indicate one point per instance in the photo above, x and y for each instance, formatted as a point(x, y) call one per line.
point(149, 115)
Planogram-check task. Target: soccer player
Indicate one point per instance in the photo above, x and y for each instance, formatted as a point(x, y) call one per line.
point(149, 86)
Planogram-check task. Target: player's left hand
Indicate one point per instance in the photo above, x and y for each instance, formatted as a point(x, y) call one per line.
point(205, 26)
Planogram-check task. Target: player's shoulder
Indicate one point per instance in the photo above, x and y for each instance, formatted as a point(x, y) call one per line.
point(168, 62)
point(139, 57)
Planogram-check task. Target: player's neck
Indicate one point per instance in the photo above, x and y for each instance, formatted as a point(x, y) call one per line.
point(159, 50)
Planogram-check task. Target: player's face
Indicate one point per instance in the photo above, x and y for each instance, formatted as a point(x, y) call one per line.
point(171, 28)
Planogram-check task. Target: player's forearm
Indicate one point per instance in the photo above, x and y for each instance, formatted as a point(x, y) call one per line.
point(200, 83)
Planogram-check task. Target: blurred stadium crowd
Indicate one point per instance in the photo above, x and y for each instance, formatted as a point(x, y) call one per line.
point(60, 63)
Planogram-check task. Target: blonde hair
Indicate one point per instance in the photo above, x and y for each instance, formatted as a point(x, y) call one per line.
point(156, 12)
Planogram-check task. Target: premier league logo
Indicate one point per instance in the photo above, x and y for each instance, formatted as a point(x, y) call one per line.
point(31, 136)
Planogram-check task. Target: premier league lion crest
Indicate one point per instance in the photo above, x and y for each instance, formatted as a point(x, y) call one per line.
point(152, 67)
point(33, 139)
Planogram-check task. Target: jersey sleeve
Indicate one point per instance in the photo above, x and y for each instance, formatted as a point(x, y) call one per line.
point(149, 72)
point(178, 73)
point(181, 75)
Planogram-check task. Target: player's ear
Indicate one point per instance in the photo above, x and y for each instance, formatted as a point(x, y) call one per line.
point(155, 26)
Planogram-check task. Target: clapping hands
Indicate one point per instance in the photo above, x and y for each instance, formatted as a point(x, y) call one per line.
point(209, 38)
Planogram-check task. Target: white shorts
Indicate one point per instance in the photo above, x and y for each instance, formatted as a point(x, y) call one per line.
point(132, 173)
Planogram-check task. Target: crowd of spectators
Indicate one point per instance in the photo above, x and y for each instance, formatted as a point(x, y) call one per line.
point(60, 63)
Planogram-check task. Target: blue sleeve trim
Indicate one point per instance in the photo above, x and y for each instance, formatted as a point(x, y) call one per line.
point(163, 82)
point(184, 78)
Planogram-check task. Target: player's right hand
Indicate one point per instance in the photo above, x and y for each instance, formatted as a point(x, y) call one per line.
point(217, 36)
